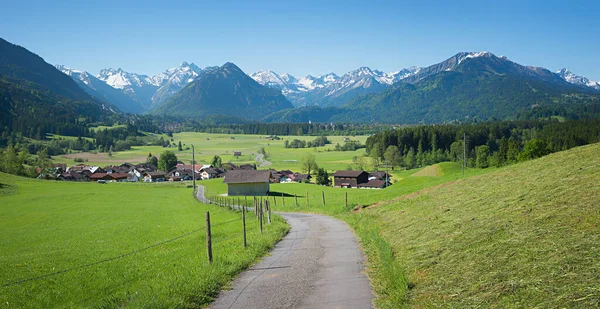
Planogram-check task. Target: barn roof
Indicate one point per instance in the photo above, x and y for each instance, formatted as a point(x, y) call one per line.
point(374, 183)
point(351, 174)
point(245, 176)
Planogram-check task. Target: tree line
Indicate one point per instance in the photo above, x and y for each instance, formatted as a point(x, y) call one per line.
point(487, 144)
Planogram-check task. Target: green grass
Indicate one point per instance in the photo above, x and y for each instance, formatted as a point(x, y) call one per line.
point(335, 197)
point(524, 236)
point(47, 227)
point(208, 145)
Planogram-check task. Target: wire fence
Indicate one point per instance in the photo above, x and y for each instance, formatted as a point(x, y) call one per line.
point(140, 250)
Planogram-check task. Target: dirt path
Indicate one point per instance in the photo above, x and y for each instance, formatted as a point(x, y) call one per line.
point(260, 159)
point(317, 265)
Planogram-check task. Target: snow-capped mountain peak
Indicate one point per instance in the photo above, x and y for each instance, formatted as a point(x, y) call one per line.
point(120, 79)
point(570, 77)
point(329, 85)
point(75, 74)
point(269, 78)
point(463, 56)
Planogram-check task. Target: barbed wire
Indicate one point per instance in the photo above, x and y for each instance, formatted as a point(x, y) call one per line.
point(104, 260)
point(115, 287)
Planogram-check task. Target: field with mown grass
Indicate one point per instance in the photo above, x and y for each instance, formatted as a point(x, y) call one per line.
point(404, 182)
point(524, 236)
point(119, 245)
point(210, 144)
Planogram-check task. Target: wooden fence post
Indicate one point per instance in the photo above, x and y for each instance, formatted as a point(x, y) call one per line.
point(268, 212)
point(274, 200)
point(296, 199)
point(245, 201)
point(244, 224)
point(260, 216)
point(346, 198)
point(208, 239)
point(307, 199)
point(323, 197)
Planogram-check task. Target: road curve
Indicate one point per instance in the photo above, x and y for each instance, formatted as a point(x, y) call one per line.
point(317, 265)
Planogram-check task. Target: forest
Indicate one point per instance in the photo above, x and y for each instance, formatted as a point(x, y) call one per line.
point(487, 144)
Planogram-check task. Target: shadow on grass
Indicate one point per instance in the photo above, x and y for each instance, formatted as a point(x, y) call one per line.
point(279, 194)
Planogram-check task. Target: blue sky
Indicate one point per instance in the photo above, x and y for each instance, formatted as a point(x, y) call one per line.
point(303, 37)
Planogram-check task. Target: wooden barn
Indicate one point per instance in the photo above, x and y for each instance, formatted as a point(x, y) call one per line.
point(249, 183)
point(349, 179)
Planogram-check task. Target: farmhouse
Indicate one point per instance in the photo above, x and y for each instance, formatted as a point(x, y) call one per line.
point(349, 179)
point(251, 183)
point(211, 172)
point(119, 177)
point(237, 153)
point(154, 176)
point(373, 184)
point(297, 177)
point(100, 176)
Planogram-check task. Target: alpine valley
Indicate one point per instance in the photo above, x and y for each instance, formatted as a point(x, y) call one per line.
point(465, 87)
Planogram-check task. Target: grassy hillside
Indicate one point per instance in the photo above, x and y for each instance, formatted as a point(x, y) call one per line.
point(525, 236)
point(123, 244)
point(405, 182)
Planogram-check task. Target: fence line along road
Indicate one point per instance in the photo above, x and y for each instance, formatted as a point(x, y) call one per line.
point(318, 264)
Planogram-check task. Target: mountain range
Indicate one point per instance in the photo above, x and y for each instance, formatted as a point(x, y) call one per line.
point(329, 90)
point(225, 90)
point(468, 85)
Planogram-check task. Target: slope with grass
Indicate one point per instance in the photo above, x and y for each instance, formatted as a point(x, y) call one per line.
point(524, 236)
point(123, 245)
point(405, 182)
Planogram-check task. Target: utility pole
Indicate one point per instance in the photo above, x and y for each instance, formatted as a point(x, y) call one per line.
point(464, 152)
point(194, 167)
point(386, 173)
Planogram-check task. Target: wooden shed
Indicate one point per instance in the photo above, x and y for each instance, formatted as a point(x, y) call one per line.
point(249, 183)
point(349, 179)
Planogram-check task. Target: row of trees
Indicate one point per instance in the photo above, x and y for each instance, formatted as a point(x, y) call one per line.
point(313, 129)
point(317, 142)
point(487, 144)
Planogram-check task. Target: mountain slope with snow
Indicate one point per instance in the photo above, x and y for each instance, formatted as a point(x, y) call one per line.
point(330, 89)
point(102, 91)
point(577, 80)
point(226, 90)
point(138, 87)
point(174, 79)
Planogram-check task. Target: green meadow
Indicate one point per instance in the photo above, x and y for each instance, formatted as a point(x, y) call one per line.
point(404, 182)
point(520, 236)
point(71, 245)
point(208, 145)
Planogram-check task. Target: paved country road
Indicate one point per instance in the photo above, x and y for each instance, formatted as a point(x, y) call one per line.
point(317, 265)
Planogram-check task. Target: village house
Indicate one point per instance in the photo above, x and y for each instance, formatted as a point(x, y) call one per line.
point(155, 176)
point(349, 179)
point(237, 153)
point(183, 174)
point(297, 177)
point(211, 172)
point(373, 184)
point(249, 183)
point(100, 176)
point(119, 177)
point(379, 175)
point(133, 177)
